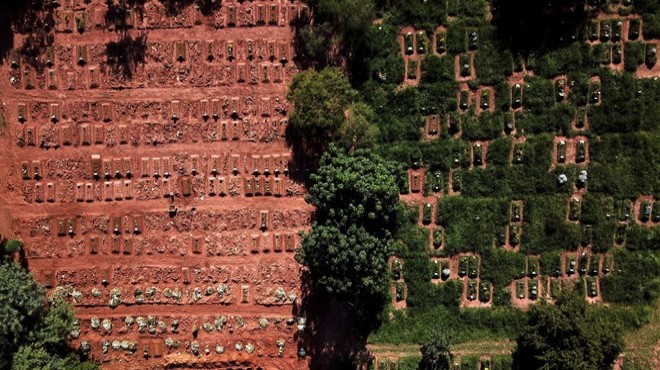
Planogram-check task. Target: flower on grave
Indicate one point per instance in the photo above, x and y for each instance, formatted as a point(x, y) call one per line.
point(85, 347)
point(219, 349)
point(249, 348)
point(77, 295)
point(194, 347)
point(141, 323)
point(197, 295)
point(280, 294)
point(222, 289)
point(95, 323)
point(263, 322)
point(292, 295)
point(220, 322)
point(207, 327)
point(105, 346)
point(107, 324)
point(150, 292)
point(239, 346)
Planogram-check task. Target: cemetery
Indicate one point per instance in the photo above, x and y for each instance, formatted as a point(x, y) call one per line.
point(164, 172)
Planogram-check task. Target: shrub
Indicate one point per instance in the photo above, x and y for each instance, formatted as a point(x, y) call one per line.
point(636, 279)
point(12, 246)
point(501, 267)
point(437, 69)
point(471, 224)
point(545, 226)
point(499, 151)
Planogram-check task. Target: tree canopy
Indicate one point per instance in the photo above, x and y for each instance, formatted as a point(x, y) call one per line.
point(347, 248)
point(436, 351)
point(564, 336)
point(33, 332)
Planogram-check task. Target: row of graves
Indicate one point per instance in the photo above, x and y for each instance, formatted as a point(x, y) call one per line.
point(84, 16)
point(217, 336)
point(77, 57)
point(113, 75)
point(109, 135)
point(461, 362)
point(186, 110)
point(128, 178)
point(565, 151)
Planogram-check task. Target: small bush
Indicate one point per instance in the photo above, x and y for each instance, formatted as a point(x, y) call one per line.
point(12, 246)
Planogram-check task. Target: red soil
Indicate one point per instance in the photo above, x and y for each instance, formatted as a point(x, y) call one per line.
point(226, 258)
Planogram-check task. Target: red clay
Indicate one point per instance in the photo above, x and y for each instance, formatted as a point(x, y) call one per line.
point(201, 135)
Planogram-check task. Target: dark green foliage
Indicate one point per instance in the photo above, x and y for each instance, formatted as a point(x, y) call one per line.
point(501, 267)
point(12, 246)
point(643, 238)
point(436, 350)
point(485, 182)
point(469, 362)
point(563, 336)
point(622, 109)
point(539, 94)
point(493, 62)
point(502, 362)
point(551, 263)
point(486, 126)
point(33, 332)
point(574, 57)
point(29, 358)
point(635, 280)
point(413, 326)
point(456, 38)
point(421, 15)
point(471, 224)
point(499, 151)
point(356, 208)
point(437, 69)
point(545, 226)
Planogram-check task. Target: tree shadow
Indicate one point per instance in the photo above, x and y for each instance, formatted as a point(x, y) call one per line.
point(525, 25)
point(337, 330)
point(31, 18)
point(126, 54)
point(206, 7)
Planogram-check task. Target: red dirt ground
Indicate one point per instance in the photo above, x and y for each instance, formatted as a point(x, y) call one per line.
point(222, 269)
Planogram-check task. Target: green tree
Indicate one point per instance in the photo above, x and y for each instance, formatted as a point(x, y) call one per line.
point(12, 246)
point(564, 337)
point(30, 328)
point(320, 100)
point(358, 130)
point(436, 351)
point(347, 249)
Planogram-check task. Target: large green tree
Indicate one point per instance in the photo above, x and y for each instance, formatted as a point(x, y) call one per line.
point(347, 249)
point(565, 337)
point(33, 332)
point(436, 351)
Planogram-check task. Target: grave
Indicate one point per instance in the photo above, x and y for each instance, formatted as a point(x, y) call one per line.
point(99, 134)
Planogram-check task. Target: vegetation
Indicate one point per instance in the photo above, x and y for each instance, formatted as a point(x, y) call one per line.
point(33, 332)
point(572, 94)
point(565, 336)
point(347, 248)
point(436, 351)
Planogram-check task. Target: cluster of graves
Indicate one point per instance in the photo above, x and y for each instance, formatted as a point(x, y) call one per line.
point(83, 15)
point(149, 178)
point(582, 266)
